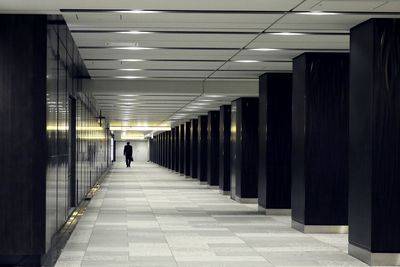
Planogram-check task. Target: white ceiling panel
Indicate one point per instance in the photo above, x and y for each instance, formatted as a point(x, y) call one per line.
point(171, 21)
point(339, 22)
point(167, 73)
point(258, 66)
point(346, 5)
point(151, 65)
point(55, 6)
point(99, 39)
point(156, 54)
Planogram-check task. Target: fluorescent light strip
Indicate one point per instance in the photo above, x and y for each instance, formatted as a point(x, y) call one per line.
point(130, 69)
point(318, 13)
point(132, 48)
point(139, 128)
point(129, 77)
point(246, 61)
point(286, 33)
point(134, 32)
point(264, 49)
point(131, 60)
point(138, 11)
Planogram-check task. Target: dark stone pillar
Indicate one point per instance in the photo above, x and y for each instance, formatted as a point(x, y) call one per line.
point(182, 149)
point(224, 149)
point(172, 151)
point(374, 181)
point(163, 149)
point(244, 150)
point(320, 142)
point(275, 143)
point(194, 140)
point(213, 148)
point(202, 156)
point(176, 156)
point(23, 146)
point(187, 148)
point(168, 150)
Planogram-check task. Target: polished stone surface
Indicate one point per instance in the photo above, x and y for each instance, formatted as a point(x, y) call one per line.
point(150, 216)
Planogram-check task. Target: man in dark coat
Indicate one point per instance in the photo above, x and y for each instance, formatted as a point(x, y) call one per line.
point(128, 154)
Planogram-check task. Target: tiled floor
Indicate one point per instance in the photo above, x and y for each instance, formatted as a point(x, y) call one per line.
point(150, 216)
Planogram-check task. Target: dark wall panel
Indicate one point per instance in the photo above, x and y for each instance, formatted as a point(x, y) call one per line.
point(244, 148)
point(202, 151)
point(194, 144)
point(320, 139)
point(374, 184)
point(213, 148)
point(275, 139)
point(225, 148)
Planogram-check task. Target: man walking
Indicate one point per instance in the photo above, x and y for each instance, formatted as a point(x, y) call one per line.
point(128, 154)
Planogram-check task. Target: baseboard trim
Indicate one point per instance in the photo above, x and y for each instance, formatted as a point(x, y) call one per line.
point(374, 259)
point(320, 229)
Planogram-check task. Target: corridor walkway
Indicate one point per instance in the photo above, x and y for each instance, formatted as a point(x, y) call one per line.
point(150, 216)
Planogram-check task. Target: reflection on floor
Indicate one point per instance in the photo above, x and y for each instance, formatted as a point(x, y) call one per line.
point(150, 216)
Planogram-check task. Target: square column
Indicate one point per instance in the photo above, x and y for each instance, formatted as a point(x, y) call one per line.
point(275, 143)
point(172, 150)
point(224, 149)
point(176, 145)
point(194, 140)
point(182, 149)
point(213, 149)
point(187, 149)
point(320, 117)
point(244, 150)
point(202, 149)
point(374, 181)
point(168, 150)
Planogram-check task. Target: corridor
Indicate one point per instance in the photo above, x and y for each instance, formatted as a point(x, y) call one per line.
point(150, 216)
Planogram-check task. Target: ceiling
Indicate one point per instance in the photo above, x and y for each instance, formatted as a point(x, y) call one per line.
point(132, 49)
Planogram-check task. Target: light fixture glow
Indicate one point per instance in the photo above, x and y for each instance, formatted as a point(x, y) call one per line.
point(135, 32)
point(129, 77)
point(287, 33)
point(128, 95)
point(318, 13)
point(130, 69)
point(246, 61)
point(138, 11)
point(132, 48)
point(139, 128)
point(264, 49)
point(215, 96)
point(131, 60)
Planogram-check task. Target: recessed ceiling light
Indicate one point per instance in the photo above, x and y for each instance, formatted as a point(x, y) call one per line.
point(129, 77)
point(130, 69)
point(246, 61)
point(132, 48)
point(318, 13)
point(128, 95)
point(138, 11)
point(135, 32)
point(206, 100)
point(131, 60)
point(214, 95)
point(264, 49)
point(286, 33)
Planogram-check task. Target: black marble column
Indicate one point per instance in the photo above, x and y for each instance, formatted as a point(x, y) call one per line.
point(23, 146)
point(182, 149)
point(187, 148)
point(320, 118)
point(224, 149)
point(213, 148)
point(374, 181)
point(244, 149)
point(275, 143)
point(177, 149)
point(168, 150)
point(172, 150)
point(163, 149)
point(194, 144)
point(202, 151)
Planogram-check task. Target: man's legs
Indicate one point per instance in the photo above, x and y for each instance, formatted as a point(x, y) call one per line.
point(127, 159)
